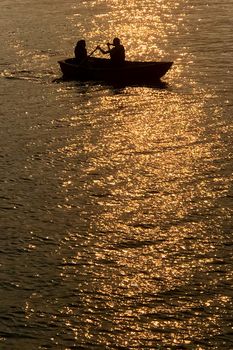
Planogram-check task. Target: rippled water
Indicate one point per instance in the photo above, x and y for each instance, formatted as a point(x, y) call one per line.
point(116, 204)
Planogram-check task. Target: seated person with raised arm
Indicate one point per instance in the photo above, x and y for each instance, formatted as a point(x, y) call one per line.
point(117, 53)
point(80, 51)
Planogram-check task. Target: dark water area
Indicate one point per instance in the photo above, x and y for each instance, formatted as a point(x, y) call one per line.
point(116, 203)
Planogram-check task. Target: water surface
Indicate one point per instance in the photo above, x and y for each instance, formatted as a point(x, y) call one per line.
point(116, 203)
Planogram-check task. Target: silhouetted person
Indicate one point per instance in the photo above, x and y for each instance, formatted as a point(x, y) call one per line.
point(80, 51)
point(117, 53)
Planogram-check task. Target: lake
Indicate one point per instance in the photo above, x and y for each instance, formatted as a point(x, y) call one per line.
point(116, 203)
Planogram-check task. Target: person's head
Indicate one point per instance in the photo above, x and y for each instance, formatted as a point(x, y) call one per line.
point(116, 41)
point(81, 43)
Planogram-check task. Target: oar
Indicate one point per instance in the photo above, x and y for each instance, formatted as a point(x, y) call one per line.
point(92, 52)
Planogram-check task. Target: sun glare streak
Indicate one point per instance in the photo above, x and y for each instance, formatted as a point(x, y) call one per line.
point(117, 200)
point(144, 185)
point(149, 27)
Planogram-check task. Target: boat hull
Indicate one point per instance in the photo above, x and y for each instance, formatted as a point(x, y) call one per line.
point(99, 69)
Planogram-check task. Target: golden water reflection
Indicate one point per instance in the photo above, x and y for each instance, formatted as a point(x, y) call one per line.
point(121, 233)
point(141, 182)
point(145, 251)
point(146, 28)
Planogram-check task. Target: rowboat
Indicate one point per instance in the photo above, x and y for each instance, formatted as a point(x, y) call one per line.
point(102, 69)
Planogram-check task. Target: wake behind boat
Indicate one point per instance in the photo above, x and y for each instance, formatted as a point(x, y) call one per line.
point(102, 69)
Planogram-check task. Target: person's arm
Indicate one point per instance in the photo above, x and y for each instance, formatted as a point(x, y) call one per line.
point(103, 51)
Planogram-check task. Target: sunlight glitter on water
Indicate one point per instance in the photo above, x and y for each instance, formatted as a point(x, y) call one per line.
point(146, 32)
point(142, 172)
point(117, 201)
